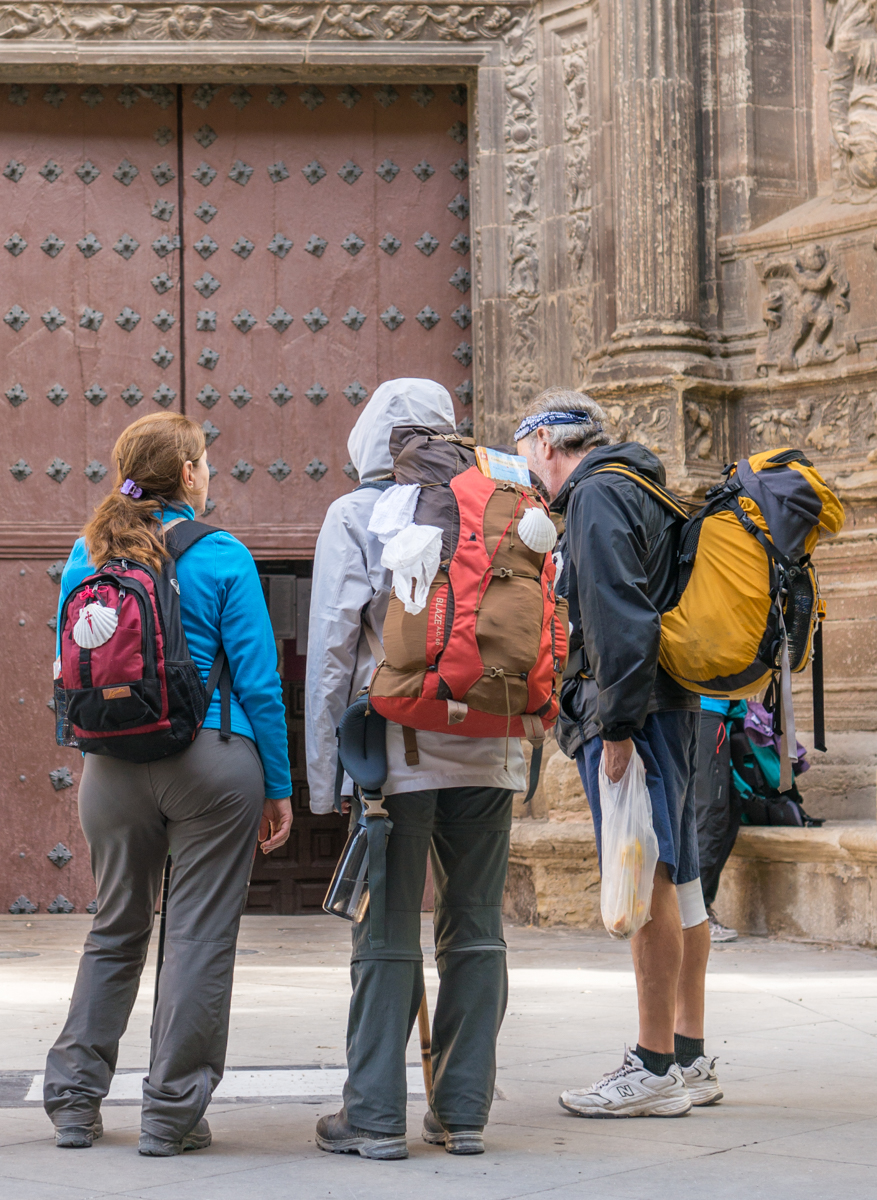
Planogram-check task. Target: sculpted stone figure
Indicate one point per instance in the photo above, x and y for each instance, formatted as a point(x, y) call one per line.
point(524, 264)
point(347, 22)
point(578, 176)
point(398, 22)
point(579, 234)
point(30, 20)
point(267, 16)
point(699, 430)
point(521, 186)
point(452, 21)
point(191, 21)
point(852, 40)
point(497, 19)
point(110, 20)
point(805, 293)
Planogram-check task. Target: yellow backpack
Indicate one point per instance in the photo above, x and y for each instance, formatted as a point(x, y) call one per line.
point(747, 610)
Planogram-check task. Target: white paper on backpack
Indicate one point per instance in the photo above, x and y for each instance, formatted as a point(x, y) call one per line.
point(394, 510)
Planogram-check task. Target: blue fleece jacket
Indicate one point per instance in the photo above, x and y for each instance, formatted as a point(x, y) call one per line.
point(221, 599)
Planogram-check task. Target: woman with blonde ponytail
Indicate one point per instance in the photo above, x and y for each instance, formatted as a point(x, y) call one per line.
point(204, 805)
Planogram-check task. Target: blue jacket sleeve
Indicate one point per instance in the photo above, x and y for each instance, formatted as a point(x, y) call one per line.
point(77, 567)
point(248, 639)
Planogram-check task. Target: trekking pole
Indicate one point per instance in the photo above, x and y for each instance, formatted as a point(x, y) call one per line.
point(425, 1045)
point(162, 926)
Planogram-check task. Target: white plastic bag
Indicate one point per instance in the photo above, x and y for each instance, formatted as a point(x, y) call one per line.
point(629, 850)
point(413, 556)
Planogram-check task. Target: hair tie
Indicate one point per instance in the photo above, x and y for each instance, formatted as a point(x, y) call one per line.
point(574, 417)
point(130, 488)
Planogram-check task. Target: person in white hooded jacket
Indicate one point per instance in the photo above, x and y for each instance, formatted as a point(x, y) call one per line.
point(457, 800)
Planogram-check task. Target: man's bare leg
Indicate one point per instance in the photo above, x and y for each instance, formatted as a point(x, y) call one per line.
point(698, 1069)
point(658, 956)
point(692, 981)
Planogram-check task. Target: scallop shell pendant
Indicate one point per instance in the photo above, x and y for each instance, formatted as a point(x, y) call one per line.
point(96, 625)
point(536, 530)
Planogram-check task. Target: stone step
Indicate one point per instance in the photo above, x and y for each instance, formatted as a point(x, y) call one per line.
point(818, 884)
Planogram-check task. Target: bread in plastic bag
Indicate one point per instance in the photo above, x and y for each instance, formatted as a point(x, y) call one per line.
point(629, 850)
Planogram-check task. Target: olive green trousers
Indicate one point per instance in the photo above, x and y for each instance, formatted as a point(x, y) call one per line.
point(466, 831)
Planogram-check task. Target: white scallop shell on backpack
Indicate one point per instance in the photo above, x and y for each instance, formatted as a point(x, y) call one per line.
point(536, 530)
point(96, 625)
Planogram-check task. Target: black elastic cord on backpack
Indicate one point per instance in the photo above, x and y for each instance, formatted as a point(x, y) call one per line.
point(220, 675)
point(818, 690)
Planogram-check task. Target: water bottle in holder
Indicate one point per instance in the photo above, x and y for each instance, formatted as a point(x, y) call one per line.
point(64, 735)
point(347, 896)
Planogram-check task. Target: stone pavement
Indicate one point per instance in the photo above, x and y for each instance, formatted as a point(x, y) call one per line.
point(795, 1028)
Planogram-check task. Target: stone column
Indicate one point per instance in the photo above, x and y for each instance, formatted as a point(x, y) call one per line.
point(655, 184)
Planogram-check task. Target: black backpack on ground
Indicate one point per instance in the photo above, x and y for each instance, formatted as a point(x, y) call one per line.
point(763, 804)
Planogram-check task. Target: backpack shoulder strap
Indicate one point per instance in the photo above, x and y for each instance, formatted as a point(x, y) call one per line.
point(380, 484)
point(667, 499)
point(185, 534)
point(179, 539)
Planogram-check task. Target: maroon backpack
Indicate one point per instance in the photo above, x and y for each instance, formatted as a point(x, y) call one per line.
point(127, 685)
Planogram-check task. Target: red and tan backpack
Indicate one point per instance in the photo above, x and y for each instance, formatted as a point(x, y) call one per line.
point(485, 656)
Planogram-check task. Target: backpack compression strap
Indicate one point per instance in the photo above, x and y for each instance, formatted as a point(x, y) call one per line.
point(180, 538)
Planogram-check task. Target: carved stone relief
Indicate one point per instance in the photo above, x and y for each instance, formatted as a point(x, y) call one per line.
point(651, 426)
point(522, 188)
point(577, 180)
point(299, 22)
point(699, 433)
point(852, 39)
point(804, 295)
point(845, 423)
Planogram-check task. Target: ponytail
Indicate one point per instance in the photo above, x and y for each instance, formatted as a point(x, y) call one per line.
point(151, 454)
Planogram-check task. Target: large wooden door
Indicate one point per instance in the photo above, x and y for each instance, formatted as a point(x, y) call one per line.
point(257, 257)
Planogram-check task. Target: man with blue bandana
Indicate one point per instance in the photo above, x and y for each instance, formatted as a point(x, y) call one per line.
point(618, 573)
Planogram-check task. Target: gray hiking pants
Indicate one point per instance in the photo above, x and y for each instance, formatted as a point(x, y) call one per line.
point(202, 806)
point(467, 832)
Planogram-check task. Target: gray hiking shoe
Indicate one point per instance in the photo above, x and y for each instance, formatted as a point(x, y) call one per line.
point(79, 1137)
point(458, 1141)
point(338, 1136)
point(198, 1138)
point(718, 931)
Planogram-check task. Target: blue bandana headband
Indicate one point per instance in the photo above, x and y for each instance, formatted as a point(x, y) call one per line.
point(531, 424)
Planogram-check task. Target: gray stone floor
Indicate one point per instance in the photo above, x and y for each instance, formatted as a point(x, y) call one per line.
point(794, 1026)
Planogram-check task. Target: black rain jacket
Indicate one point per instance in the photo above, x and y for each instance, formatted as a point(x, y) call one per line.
point(619, 574)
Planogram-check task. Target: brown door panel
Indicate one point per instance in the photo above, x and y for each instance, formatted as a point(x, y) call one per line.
point(247, 161)
point(86, 178)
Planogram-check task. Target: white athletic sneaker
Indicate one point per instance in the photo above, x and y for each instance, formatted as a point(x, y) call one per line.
point(718, 931)
point(702, 1083)
point(631, 1091)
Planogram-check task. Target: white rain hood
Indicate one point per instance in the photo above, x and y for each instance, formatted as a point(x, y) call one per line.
point(397, 402)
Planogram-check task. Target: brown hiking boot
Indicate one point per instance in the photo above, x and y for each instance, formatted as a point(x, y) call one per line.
point(338, 1136)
